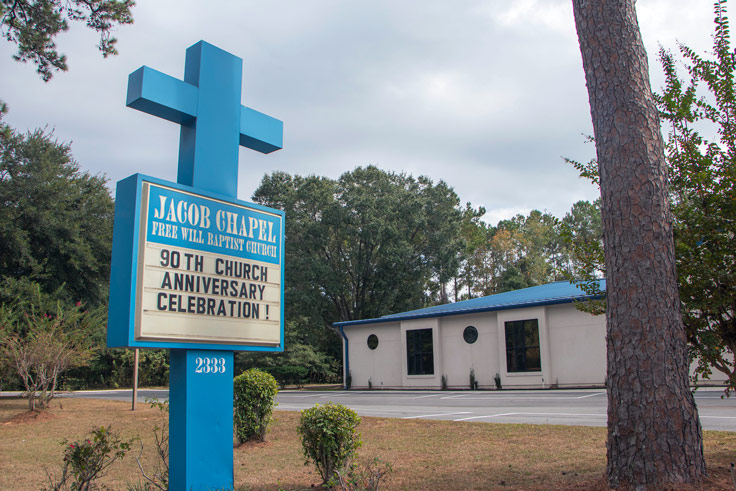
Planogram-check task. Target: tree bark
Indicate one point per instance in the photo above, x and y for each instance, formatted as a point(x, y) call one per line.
point(654, 434)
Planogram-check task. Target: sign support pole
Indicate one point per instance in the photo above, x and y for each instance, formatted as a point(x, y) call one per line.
point(200, 420)
point(135, 378)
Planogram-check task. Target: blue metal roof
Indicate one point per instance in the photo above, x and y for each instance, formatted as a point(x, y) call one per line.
point(549, 294)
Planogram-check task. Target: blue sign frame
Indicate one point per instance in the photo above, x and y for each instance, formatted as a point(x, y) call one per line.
point(254, 236)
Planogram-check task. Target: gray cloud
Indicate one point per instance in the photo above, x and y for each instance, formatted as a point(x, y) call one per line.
point(486, 95)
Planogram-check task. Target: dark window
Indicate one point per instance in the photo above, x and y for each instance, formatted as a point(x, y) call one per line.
point(420, 357)
point(522, 346)
point(373, 341)
point(470, 334)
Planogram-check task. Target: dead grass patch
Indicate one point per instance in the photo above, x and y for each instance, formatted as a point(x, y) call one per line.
point(424, 454)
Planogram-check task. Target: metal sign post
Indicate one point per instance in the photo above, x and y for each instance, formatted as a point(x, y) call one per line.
point(194, 269)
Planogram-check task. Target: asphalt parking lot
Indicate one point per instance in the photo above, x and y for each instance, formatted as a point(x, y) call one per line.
point(562, 407)
point(585, 407)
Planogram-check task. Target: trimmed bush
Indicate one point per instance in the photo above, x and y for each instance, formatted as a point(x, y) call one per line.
point(253, 395)
point(329, 438)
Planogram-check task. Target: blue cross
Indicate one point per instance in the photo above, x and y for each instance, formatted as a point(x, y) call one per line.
point(213, 122)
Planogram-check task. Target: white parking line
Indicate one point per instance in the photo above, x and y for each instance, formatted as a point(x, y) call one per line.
point(486, 416)
point(468, 397)
point(590, 395)
point(434, 415)
point(576, 415)
point(424, 397)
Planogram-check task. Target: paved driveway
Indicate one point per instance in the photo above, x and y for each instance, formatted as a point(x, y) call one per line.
point(564, 407)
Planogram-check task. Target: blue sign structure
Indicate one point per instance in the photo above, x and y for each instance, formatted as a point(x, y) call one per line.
point(193, 268)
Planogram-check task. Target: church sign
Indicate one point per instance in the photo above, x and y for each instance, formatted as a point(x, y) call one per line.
point(207, 269)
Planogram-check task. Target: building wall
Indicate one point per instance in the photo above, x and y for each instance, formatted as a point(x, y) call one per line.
point(572, 350)
point(459, 357)
point(578, 342)
point(382, 365)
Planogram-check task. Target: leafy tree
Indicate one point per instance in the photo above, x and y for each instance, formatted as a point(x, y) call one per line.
point(364, 245)
point(55, 220)
point(647, 382)
point(703, 194)
point(537, 250)
point(518, 253)
point(581, 232)
point(476, 270)
point(32, 25)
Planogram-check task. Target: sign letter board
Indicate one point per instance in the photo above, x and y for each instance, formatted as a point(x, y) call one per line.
point(193, 268)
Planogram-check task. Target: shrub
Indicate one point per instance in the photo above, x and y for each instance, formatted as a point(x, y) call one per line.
point(473, 380)
point(366, 477)
point(85, 461)
point(329, 438)
point(253, 395)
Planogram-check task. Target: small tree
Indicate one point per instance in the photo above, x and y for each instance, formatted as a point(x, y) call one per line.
point(40, 346)
point(329, 438)
point(253, 395)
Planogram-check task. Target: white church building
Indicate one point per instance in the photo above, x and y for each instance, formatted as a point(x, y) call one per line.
point(530, 338)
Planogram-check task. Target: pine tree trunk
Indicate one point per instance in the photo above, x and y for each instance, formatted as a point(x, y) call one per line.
point(654, 434)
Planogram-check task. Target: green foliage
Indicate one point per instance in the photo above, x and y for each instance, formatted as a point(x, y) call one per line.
point(254, 392)
point(703, 183)
point(517, 253)
point(289, 375)
point(582, 233)
point(329, 438)
point(32, 25)
point(113, 368)
point(86, 460)
point(300, 363)
point(56, 221)
point(364, 245)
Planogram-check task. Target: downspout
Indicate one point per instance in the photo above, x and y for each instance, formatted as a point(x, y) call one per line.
point(346, 358)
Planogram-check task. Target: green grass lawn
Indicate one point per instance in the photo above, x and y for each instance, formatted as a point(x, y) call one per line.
point(431, 455)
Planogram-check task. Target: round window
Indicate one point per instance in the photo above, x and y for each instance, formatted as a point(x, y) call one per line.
point(470, 334)
point(373, 341)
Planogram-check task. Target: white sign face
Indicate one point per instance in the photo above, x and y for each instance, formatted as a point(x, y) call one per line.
point(209, 271)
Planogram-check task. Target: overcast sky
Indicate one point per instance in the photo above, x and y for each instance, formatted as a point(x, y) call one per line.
point(485, 95)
